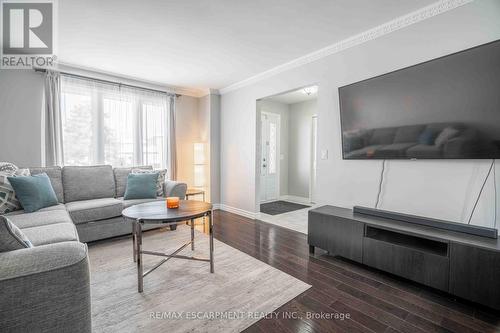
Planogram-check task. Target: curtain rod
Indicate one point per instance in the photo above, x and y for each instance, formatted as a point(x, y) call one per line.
point(43, 70)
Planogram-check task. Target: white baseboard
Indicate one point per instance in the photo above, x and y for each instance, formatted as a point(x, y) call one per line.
point(296, 199)
point(234, 210)
point(266, 201)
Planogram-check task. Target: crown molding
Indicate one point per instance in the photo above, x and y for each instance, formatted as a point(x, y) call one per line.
point(193, 92)
point(363, 37)
point(208, 92)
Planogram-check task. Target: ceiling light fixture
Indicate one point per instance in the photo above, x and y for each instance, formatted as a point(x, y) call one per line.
point(310, 90)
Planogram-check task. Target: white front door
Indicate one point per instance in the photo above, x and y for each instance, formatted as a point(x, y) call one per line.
point(269, 167)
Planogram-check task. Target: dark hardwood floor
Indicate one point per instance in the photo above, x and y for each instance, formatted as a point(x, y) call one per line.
point(375, 301)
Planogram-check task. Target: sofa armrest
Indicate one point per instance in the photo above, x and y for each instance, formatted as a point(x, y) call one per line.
point(458, 147)
point(354, 142)
point(175, 189)
point(46, 289)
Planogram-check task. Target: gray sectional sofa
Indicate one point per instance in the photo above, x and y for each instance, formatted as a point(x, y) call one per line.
point(90, 198)
point(47, 288)
point(406, 142)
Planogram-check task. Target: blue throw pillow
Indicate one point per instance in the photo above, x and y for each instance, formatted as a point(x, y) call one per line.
point(34, 192)
point(141, 186)
point(427, 137)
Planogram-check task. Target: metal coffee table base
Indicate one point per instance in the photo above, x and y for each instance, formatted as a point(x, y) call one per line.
point(138, 251)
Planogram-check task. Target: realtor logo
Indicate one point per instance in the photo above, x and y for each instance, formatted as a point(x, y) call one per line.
point(27, 29)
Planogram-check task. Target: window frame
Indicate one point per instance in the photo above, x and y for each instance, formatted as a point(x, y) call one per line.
point(139, 104)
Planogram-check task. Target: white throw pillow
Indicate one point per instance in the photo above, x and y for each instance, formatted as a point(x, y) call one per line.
point(445, 135)
point(8, 200)
point(161, 178)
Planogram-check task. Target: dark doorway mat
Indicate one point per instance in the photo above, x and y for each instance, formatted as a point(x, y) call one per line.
point(280, 207)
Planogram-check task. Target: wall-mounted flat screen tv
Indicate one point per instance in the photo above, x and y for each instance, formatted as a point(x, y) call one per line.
point(446, 108)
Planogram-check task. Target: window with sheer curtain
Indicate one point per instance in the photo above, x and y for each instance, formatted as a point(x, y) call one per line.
point(111, 124)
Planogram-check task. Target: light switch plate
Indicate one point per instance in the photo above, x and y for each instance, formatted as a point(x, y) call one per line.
point(324, 154)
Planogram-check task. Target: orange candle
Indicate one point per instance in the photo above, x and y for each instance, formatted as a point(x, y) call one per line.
point(172, 202)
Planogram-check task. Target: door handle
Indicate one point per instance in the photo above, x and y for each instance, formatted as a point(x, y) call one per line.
point(263, 165)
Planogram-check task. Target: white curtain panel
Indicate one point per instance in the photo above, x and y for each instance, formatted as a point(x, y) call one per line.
point(106, 123)
point(54, 154)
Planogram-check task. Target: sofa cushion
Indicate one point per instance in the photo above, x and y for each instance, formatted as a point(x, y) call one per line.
point(121, 174)
point(132, 202)
point(94, 210)
point(367, 152)
point(88, 182)
point(424, 151)
point(55, 175)
point(46, 209)
point(396, 150)
point(51, 233)
point(44, 216)
point(407, 134)
point(34, 192)
point(382, 136)
point(11, 238)
point(8, 199)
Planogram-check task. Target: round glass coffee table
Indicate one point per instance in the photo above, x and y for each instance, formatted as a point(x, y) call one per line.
point(158, 213)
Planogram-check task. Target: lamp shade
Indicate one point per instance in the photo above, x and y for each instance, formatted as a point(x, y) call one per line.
point(199, 162)
point(199, 154)
point(199, 176)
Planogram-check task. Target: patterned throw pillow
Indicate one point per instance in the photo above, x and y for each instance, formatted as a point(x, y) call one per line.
point(11, 237)
point(8, 200)
point(161, 178)
point(8, 167)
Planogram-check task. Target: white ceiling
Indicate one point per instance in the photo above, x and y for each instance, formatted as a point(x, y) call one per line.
point(292, 97)
point(209, 44)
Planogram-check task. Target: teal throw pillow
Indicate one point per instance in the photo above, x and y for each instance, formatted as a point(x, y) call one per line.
point(427, 137)
point(34, 192)
point(141, 186)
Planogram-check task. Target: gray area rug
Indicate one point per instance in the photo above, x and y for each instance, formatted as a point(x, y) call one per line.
point(181, 295)
point(280, 207)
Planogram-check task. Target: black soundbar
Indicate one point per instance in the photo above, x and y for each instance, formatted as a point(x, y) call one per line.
point(430, 222)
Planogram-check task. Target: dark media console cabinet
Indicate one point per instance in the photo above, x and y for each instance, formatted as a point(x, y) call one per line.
point(459, 263)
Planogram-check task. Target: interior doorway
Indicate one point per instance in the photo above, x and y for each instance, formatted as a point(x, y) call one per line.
point(287, 151)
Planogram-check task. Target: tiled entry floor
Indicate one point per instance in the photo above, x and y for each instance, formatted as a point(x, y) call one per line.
point(296, 220)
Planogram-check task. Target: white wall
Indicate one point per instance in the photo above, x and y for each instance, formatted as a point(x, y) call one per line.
point(300, 144)
point(441, 189)
point(21, 98)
